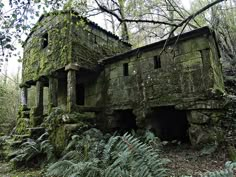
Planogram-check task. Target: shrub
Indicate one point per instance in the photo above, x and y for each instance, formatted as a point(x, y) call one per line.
point(33, 153)
point(120, 156)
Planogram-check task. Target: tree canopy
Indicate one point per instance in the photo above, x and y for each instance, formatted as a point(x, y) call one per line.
point(136, 21)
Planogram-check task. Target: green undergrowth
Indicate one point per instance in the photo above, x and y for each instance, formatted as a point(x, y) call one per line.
point(93, 153)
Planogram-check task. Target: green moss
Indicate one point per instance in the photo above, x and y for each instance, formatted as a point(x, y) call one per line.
point(36, 116)
point(59, 139)
point(22, 126)
point(232, 153)
point(40, 61)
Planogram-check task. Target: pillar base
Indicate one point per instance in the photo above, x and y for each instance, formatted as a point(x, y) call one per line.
point(36, 116)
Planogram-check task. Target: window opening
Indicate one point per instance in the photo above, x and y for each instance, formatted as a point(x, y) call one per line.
point(125, 69)
point(45, 40)
point(157, 62)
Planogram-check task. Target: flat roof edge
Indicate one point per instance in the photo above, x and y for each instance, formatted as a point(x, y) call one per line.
point(172, 40)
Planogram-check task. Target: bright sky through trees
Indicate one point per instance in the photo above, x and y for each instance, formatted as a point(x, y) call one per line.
point(13, 65)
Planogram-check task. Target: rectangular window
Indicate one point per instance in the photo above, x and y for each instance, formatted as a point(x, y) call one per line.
point(45, 40)
point(157, 62)
point(125, 69)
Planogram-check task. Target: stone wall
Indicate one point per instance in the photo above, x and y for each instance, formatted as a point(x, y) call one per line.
point(62, 38)
point(185, 77)
point(41, 60)
point(189, 74)
point(91, 43)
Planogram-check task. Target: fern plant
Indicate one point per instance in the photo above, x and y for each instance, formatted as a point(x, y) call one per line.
point(124, 156)
point(33, 152)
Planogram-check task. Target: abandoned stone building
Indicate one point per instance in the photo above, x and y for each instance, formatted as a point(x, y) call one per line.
point(176, 91)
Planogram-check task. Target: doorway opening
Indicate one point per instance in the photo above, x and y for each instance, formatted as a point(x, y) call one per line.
point(125, 121)
point(169, 124)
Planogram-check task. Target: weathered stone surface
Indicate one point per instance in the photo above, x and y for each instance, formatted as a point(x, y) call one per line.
point(200, 135)
point(61, 135)
point(36, 117)
point(196, 117)
point(24, 96)
point(71, 89)
point(212, 117)
point(52, 92)
point(86, 44)
point(72, 66)
point(39, 97)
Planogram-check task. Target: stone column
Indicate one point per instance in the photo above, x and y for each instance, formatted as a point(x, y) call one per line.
point(71, 89)
point(52, 91)
point(39, 97)
point(24, 97)
point(71, 69)
point(36, 113)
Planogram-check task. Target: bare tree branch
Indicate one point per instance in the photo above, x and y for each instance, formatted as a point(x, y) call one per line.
point(187, 20)
point(104, 9)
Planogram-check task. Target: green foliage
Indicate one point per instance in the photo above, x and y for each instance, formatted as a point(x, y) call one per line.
point(9, 104)
point(33, 152)
point(120, 156)
point(2, 143)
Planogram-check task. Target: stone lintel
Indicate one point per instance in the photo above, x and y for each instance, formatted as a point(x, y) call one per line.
point(207, 104)
point(88, 108)
point(53, 75)
point(24, 85)
point(72, 66)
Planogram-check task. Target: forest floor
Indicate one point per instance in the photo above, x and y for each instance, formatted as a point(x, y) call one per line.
point(188, 161)
point(6, 170)
point(184, 161)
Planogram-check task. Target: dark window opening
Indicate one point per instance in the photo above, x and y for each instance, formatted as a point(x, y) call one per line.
point(125, 121)
point(169, 124)
point(125, 69)
point(157, 62)
point(45, 40)
point(80, 94)
point(95, 39)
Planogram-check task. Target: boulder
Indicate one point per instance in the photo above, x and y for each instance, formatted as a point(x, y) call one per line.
point(200, 135)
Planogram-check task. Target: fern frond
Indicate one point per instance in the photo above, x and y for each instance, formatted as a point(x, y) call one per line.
point(73, 156)
point(140, 160)
point(59, 169)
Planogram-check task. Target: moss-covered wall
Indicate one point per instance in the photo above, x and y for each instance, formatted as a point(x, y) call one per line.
point(70, 39)
point(91, 43)
point(39, 61)
point(95, 91)
point(188, 74)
